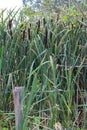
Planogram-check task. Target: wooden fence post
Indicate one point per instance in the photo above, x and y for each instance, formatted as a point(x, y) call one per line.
point(17, 94)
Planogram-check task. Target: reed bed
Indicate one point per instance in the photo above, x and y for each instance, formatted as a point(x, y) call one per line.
point(48, 57)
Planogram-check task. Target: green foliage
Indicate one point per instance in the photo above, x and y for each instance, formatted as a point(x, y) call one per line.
point(48, 57)
point(71, 16)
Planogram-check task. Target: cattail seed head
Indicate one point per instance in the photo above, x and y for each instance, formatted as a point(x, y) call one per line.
point(50, 35)
point(4, 37)
point(29, 37)
point(11, 34)
point(26, 49)
point(38, 26)
point(81, 25)
point(23, 35)
point(45, 37)
point(10, 24)
point(30, 25)
point(44, 22)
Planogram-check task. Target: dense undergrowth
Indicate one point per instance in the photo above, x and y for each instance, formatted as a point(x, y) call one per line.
point(46, 55)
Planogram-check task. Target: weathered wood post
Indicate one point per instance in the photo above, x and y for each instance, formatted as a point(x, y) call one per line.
point(18, 95)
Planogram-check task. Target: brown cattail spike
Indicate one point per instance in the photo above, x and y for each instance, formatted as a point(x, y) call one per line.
point(11, 34)
point(81, 25)
point(29, 36)
point(82, 19)
point(26, 49)
point(38, 26)
point(4, 37)
point(44, 22)
point(23, 35)
point(50, 35)
point(72, 26)
point(21, 27)
point(10, 27)
point(45, 37)
point(10, 24)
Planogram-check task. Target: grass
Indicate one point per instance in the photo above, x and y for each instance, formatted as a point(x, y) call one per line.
point(49, 60)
